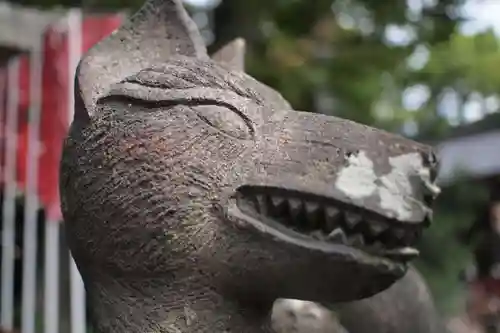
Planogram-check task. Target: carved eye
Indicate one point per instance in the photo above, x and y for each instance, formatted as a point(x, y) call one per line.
point(226, 120)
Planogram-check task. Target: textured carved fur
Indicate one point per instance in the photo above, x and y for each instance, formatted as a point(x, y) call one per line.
point(165, 139)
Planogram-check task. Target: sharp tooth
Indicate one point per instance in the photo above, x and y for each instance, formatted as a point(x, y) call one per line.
point(399, 233)
point(356, 240)
point(405, 253)
point(295, 208)
point(377, 246)
point(337, 235)
point(352, 219)
point(312, 210)
point(277, 201)
point(376, 227)
point(261, 204)
point(312, 207)
point(317, 234)
point(277, 205)
point(409, 251)
point(331, 217)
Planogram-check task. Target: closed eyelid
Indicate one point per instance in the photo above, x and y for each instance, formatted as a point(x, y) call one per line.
point(200, 95)
point(157, 97)
point(227, 122)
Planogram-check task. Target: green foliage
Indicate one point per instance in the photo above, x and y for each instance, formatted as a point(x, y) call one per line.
point(301, 47)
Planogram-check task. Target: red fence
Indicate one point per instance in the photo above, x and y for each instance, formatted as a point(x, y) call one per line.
point(54, 104)
point(36, 106)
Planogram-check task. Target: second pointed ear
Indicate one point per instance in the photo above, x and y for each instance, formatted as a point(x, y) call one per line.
point(232, 54)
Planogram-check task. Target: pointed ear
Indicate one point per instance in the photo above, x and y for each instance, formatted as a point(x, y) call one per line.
point(159, 30)
point(232, 54)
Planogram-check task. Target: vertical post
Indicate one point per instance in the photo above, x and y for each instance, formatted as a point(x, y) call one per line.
point(51, 279)
point(77, 290)
point(31, 207)
point(51, 276)
point(78, 312)
point(51, 273)
point(9, 196)
point(3, 116)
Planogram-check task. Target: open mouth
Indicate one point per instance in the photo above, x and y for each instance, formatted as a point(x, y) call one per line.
point(322, 219)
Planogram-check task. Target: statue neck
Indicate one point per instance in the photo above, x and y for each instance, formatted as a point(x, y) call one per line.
point(156, 305)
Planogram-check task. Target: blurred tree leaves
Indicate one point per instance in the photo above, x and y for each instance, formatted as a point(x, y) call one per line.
point(459, 72)
point(334, 51)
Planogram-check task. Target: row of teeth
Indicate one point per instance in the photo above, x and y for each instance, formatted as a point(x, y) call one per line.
point(329, 223)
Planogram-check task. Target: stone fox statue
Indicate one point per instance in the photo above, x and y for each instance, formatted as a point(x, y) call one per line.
point(194, 195)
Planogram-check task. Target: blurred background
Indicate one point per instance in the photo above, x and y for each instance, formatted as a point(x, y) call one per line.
point(426, 69)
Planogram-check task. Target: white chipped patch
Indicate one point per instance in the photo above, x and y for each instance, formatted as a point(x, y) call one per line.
point(397, 192)
point(395, 189)
point(357, 180)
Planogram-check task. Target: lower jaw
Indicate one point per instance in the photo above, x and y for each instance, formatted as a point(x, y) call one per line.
point(286, 235)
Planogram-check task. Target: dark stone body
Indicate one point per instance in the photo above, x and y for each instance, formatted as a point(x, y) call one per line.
point(407, 306)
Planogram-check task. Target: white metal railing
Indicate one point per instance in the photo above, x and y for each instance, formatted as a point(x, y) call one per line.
point(31, 206)
point(52, 277)
point(9, 195)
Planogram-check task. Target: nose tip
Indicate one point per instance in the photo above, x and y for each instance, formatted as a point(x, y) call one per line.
point(429, 187)
point(428, 177)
